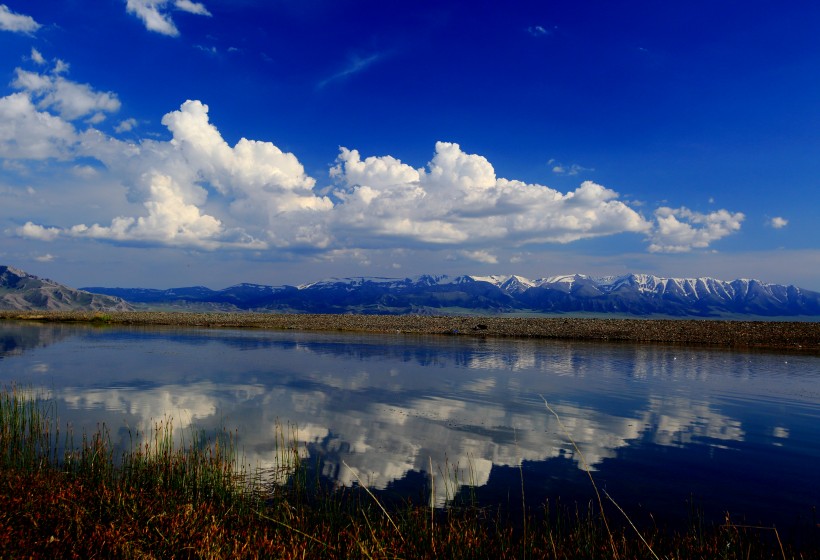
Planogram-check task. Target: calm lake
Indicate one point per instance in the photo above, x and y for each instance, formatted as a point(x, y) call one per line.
point(664, 430)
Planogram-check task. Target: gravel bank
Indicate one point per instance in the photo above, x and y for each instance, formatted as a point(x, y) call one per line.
point(797, 336)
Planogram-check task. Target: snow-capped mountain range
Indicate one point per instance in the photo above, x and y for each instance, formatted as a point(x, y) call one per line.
point(631, 294)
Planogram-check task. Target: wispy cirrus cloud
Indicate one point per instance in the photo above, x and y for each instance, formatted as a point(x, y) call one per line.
point(156, 17)
point(192, 7)
point(571, 169)
point(355, 65)
point(18, 23)
point(539, 31)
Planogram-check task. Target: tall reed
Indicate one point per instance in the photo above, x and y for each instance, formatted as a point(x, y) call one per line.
point(204, 469)
point(28, 431)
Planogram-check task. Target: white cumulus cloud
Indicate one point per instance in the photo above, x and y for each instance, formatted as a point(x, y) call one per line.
point(126, 125)
point(265, 185)
point(259, 195)
point(459, 200)
point(70, 99)
point(34, 231)
point(778, 222)
point(26, 133)
point(481, 256)
point(681, 230)
point(84, 171)
point(10, 21)
point(199, 191)
point(170, 220)
point(36, 57)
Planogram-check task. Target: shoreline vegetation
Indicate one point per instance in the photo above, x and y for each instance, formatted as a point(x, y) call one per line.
point(735, 334)
point(160, 499)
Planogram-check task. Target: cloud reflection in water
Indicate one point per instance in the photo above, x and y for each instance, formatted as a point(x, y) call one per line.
point(387, 406)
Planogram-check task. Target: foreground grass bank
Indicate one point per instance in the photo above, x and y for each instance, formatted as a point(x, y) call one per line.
point(161, 500)
point(778, 335)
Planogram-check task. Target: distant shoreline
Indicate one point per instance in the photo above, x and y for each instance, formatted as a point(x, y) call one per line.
point(792, 336)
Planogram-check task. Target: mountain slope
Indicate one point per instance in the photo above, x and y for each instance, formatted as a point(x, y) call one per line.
point(632, 294)
point(644, 294)
point(24, 292)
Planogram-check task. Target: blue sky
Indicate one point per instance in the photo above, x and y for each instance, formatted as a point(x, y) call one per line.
point(162, 143)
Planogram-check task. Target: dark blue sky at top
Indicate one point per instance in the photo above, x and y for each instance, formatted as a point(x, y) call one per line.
point(700, 104)
point(608, 78)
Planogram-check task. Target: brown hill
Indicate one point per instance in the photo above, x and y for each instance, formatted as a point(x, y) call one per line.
point(25, 292)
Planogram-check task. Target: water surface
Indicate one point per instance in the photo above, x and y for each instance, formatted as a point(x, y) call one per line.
point(663, 429)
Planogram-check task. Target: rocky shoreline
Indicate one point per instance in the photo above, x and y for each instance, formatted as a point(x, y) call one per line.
point(794, 336)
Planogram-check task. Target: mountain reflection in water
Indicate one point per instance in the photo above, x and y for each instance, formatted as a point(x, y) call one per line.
point(660, 427)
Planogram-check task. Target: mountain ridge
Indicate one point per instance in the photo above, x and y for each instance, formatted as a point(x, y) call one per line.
point(630, 294)
point(639, 295)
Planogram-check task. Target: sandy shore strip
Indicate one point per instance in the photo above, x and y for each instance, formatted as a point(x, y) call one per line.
point(795, 336)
